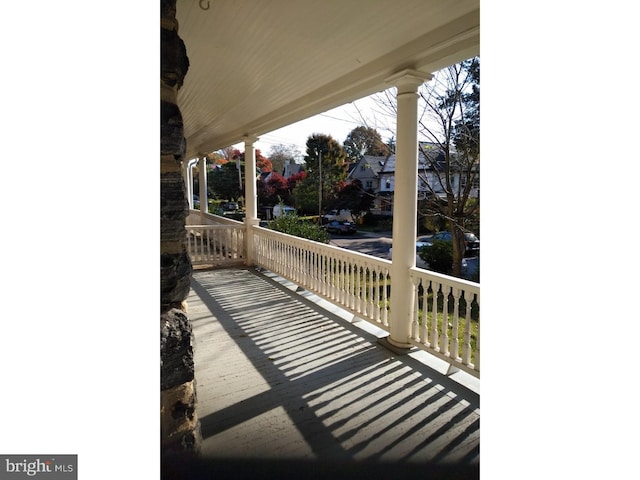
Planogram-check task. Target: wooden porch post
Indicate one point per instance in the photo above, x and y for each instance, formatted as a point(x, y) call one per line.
point(250, 195)
point(404, 205)
point(204, 199)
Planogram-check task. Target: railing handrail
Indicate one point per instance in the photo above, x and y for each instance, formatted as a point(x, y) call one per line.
point(217, 244)
point(196, 216)
point(445, 316)
point(323, 247)
point(454, 282)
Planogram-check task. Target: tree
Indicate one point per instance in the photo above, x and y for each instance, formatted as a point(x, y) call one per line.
point(450, 121)
point(364, 141)
point(228, 154)
point(273, 190)
point(309, 196)
point(220, 158)
point(263, 164)
point(453, 104)
point(281, 154)
point(294, 179)
point(353, 197)
point(224, 182)
point(294, 225)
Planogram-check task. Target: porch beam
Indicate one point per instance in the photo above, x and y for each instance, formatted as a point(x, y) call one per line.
point(404, 205)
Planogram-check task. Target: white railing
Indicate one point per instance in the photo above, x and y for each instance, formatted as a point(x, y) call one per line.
point(216, 241)
point(446, 318)
point(356, 282)
point(196, 217)
point(446, 313)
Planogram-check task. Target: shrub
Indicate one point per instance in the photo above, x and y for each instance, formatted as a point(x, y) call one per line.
point(292, 224)
point(439, 256)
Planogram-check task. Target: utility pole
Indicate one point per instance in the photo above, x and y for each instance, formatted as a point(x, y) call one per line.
point(239, 172)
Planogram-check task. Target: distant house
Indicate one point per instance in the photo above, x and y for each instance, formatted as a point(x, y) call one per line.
point(368, 170)
point(431, 161)
point(291, 168)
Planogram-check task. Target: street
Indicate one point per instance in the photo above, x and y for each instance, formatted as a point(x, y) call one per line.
point(375, 244)
point(378, 244)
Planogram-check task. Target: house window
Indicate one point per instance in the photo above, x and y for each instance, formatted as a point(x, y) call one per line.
point(388, 184)
point(369, 185)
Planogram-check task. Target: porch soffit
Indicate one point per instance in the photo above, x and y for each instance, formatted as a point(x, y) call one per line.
point(256, 66)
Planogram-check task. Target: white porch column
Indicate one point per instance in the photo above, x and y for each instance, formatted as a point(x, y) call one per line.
point(188, 178)
point(404, 205)
point(204, 199)
point(250, 194)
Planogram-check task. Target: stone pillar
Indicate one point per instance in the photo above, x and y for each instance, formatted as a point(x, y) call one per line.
point(404, 205)
point(180, 429)
point(250, 195)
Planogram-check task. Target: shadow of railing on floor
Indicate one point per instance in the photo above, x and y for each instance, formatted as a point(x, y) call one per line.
point(352, 384)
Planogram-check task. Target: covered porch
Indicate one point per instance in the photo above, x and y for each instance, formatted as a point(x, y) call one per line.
point(283, 375)
point(277, 375)
point(261, 81)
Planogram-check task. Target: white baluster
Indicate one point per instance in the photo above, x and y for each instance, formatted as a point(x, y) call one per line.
point(415, 315)
point(357, 289)
point(341, 285)
point(454, 330)
point(423, 335)
point(371, 292)
point(351, 287)
point(385, 298)
point(333, 275)
point(363, 291)
point(466, 345)
point(376, 299)
point(444, 338)
point(434, 317)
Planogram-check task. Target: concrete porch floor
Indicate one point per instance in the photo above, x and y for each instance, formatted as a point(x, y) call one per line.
point(282, 380)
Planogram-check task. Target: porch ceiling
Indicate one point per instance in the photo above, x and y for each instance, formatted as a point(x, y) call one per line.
point(256, 65)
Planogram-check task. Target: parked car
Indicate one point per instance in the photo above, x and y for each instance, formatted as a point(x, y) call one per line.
point(345, 228)
point(471, 242)
point(419, 261)
point(230, 206)
point(340, 215)
point(279, 210)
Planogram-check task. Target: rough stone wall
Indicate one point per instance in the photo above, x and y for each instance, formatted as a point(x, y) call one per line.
point(180, 428)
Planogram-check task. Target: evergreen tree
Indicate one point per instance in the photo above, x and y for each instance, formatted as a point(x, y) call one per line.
point(329, 173)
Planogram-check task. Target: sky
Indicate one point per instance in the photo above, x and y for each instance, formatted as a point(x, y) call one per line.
point(337, 122)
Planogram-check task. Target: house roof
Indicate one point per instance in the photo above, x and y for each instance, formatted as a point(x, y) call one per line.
point(435, 154)
point(256, 66)
point(375, 163)
point(372, 163)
